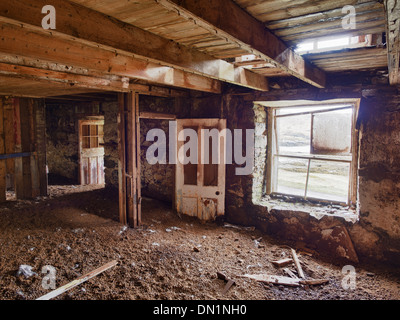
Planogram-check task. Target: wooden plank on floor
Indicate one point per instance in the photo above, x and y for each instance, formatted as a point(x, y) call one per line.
point(297, 263)
point(78, 281)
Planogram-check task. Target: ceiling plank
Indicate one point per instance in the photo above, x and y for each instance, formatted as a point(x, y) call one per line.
point(44, 46)
point(392, 11)
point(226, 18)
point(84, 23)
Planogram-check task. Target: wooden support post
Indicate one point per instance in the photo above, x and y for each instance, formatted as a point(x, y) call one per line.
point(3, 186)
point(25, 131)
point(122, 159)
point(34, 164)
point(138, 163)
point(8, 124)
point(39, 115)
point(129, 160)
point(19, 171)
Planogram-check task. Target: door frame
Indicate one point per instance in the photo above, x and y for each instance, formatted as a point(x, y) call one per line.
point(208, 192)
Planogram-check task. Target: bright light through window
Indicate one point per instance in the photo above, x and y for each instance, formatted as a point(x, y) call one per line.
point(327, 44)
point(341, 42)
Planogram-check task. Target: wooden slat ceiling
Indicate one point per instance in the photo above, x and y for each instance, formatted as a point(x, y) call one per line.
point(152, 17)
point(291, 20)
point(297, 20)
point(350, 59)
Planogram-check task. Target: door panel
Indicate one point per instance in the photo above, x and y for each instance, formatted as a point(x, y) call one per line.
point(200, 187)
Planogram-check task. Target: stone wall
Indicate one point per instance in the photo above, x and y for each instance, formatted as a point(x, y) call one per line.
point(376, 236)
point(63, 139)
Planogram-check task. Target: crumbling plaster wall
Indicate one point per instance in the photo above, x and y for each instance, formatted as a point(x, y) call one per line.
point(376, 236)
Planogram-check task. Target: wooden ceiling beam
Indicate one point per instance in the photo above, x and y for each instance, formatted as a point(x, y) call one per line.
point(77, 54)
point(80, 22)
point(226, 19)
point(392, 12)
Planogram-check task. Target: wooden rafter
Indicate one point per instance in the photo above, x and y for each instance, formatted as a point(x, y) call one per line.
point(81, 22)
point(249, 33)
point(392, 10)
point(81, 56)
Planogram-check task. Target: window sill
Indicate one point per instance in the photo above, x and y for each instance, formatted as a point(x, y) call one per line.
point(318, 211)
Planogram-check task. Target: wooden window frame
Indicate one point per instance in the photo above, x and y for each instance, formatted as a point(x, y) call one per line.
point(273, 155)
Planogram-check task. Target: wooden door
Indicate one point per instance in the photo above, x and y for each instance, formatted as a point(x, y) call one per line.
point(91, 151)
point(200, 187)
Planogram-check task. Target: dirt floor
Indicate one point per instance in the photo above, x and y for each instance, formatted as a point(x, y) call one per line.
point(75, 230)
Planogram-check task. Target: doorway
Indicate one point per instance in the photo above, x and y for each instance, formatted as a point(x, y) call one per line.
point(91, 151)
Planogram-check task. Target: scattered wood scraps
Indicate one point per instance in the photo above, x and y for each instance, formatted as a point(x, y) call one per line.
point(282, 263)
point(230, 283)
point(298, 265)
point(285, 281)
point(292, 279)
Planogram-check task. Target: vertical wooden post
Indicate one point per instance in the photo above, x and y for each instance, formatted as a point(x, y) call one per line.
point(3, 186)
point(129, 171)
point(122, 158)
point(138, 163)
point(34, 165)
point(39, 114)
point(25, 106)
point(131, 160)
point(9, 145)
point(19, 171)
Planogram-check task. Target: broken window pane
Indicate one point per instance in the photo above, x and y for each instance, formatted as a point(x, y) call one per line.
point(332, 133)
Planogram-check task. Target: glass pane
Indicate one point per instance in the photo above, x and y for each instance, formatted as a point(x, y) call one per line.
point(329, 181)
point(294, 135)
point(332, 133)
point(292, 176)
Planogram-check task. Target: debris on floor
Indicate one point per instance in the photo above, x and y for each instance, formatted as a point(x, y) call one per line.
point(170, 270)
